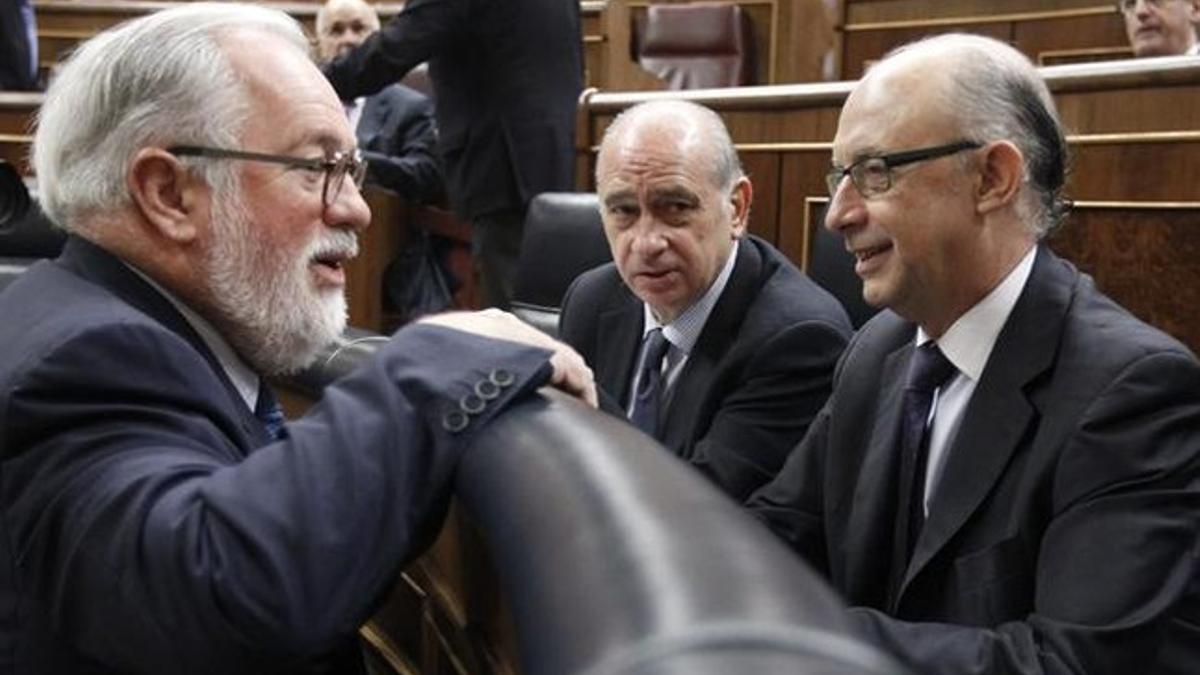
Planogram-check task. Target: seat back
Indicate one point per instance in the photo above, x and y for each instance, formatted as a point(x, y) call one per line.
point(697, 45)
point(831, 266)
point(564, 237)
point(26, 235)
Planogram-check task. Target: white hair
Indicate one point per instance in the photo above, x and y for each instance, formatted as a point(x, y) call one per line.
point(995, 93)
point(159, 80)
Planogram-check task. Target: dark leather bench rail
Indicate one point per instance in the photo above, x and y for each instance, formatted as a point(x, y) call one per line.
point(616, 558)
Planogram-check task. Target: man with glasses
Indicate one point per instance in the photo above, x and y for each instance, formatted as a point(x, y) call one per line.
point(156, 513)
point(1006, 478)
point(1161, 27)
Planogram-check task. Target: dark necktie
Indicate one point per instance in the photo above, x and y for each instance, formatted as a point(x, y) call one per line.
point(928, 370)
point(644, 412)
point(267, 410)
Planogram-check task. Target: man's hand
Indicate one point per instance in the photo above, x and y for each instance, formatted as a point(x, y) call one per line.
point(571, 373)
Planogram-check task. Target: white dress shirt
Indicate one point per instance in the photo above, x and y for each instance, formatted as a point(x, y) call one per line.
point(683, 332)
point(968, 344)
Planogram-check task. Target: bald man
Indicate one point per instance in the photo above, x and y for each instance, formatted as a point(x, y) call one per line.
point(750, 342)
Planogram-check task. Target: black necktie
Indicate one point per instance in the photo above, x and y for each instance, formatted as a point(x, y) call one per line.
point(644, 412)
point(928, 370)
point(267, 410)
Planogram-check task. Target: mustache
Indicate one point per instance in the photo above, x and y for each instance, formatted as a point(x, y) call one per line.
point(334, 243)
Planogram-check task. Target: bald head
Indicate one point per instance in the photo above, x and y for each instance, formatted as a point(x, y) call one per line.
point(699, 134)
point(343, 25)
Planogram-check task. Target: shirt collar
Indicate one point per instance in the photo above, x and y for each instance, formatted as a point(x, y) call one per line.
point(685, 330)
point(969, 341)
point(244, 379)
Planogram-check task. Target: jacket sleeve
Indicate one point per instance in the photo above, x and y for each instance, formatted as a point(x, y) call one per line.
point(406, 159)
point(147, 541)
point(415, 35)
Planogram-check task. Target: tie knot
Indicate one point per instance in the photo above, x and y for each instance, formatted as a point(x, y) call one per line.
point(656, 348)
point(930, 368)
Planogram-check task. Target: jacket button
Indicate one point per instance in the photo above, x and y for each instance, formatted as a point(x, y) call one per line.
point(471, 404)
point(501, 377)
point(455, 421)
point(486, 390)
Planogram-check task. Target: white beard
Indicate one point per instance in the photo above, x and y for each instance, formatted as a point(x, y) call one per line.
point(271, 312)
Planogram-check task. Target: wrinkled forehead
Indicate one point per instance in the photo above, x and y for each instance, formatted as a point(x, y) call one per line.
point(658, 146)
point(895, 107)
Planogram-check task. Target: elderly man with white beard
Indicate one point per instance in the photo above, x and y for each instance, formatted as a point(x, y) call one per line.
point(155, 515)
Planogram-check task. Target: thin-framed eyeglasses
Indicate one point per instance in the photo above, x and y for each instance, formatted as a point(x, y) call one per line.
point(1127, 6)
point(873, 175)
point(335, 167)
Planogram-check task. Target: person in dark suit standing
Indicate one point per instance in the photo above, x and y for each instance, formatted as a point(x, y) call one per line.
point(395, 127)
point(1006, 478)
point(746, 342)
point(157, 515)
point(18, 46)
point(506, 77)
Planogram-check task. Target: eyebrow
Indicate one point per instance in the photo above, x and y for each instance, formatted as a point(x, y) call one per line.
point(675, 192)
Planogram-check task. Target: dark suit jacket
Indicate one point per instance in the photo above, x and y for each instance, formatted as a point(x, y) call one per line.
point(757, 375)
point(398, 137)
point(1062, 534)
point(506, 77)
point(146, 526)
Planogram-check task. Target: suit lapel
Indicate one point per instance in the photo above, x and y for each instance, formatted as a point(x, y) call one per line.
point(719, 333)
point(1000, 412)
point(375, 109)
point(872, 518)
point(101, 267)
point(617, 342)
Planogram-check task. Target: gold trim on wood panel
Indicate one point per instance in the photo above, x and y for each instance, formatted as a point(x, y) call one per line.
point(1135, 137)
point(981, 19)
point(1124, 52)
point(383, 646)
point(1148, 206)
point(803, 146)
point(16, 138)
point(806, 240)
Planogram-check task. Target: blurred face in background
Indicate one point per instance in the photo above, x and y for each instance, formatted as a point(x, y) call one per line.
point(343, 25)
point(1160, 27)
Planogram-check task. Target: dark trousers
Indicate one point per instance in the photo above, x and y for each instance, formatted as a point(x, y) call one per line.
point(496, 244)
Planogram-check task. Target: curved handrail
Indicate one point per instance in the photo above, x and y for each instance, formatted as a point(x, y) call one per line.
point(617, 559)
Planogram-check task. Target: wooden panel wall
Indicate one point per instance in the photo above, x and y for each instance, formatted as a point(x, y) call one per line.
point(1048, 31)
point(1134, 131)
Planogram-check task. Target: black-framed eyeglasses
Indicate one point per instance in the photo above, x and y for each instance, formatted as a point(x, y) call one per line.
point(1128, 6)
point(335, 167)
point(873, 175)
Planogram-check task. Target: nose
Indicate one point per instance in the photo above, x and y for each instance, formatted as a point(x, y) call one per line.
point(648, 240)
point(847, 208)
point(349, 210)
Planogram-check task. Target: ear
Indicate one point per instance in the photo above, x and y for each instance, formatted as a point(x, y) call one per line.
point(1001, 175)
point(740, 198)
point(168, 196)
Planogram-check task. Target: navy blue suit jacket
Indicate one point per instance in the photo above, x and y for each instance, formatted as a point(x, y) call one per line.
point(758, 374)
point(506, 76)
point(146, 524)
point(1062, 535)
point(398, 136)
